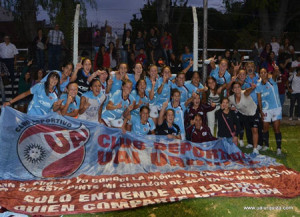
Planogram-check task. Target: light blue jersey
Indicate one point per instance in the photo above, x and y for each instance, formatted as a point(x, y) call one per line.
point(249, 81)
point(184, 92)
point(117, 98)
point(132, 79)
point(41, 104)
point(165, 93)
point(149, 87)
point(220, 80)
point(116, 85)
point(179, 115)
point(192, 88)
point(139, 128)
point(136, 97)
point(73, 105)
point(269, 94)
point(63, 86)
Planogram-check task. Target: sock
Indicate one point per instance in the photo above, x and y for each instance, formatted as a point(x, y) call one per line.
point(266, 138)
point(278, 139)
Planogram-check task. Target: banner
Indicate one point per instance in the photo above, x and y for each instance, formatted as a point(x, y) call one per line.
point(54, 165)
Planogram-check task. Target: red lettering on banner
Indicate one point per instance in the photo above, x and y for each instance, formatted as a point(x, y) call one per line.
point(174, 161)
point(139, 145)
point(53, 144)
point(104, 157)
point(198, 152)
point(160, 146)
point(173, 148)
point(101, 140)
point(125, 143)
point(158, 159)
point(135, 157)
point(185, 146)
point(122, 157)
point(77, 138)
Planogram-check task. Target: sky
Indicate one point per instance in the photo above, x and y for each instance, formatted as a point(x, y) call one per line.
point(118, 12)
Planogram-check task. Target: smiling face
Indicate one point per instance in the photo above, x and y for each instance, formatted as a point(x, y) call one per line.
point(223, 66)
point(103, 76)
point(166, 72)
point(73, 89)
point(196, 100)
point(250, 68)
point(237, 88)
point(242, 75)
point(144, 114)
point(96, 87)
point(87, 66)
point(225, 104)
point(153, 71)
point(263, 74)
point(126, 88)
point(138, 69)
point(123, 68)
point(180, 80)
point(195, 79)
point(53, 80)
point(211, 84)
point(198, 122)
point(176, 97)
point(141, 86)
point(67, 70)
point(170, 116)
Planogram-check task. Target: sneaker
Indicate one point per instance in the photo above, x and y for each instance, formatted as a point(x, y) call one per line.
point(265, 148)
point(249, 146)
point(259, 147)
point(290, 119)
point(255, 151)
point(241, 142)
point(278, 151)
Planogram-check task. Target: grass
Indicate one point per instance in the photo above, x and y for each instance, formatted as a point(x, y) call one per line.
point(224, 206)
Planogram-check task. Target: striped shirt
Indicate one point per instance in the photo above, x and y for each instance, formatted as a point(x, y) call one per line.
point(55, 37)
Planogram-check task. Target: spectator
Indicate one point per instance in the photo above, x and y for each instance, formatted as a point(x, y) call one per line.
point(266, 51)
point(3, 73)
point(127, 44)
point(111, 37)
point(39, 43)
point(270, 62)
point(287, 46)
point(8, 56)
point(166, 45)
point(227, 56)
point(275, 46)
point(102, 59)
point(154, 45)
point(175, 64)
point(139, 43)
point(260, 44)
point(98, 40)
point(37, 77)
point(236, 57)
point(24, 85)
point(186, 58)
point(55, 42)
point(294, 89)
point(113, 57)
point(141, 57)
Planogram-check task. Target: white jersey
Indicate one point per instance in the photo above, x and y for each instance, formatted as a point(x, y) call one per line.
point(246, 105)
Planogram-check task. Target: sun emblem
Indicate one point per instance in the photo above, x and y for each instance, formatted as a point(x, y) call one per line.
point(34, 153)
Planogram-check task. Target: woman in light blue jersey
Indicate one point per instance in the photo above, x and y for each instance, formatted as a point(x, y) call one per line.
point(45, 96)
point(269, 106)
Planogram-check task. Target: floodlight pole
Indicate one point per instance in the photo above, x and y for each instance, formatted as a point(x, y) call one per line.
point(204, 66)
point(195, 43)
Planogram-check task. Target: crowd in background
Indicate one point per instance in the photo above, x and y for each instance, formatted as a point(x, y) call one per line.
point(138, 84)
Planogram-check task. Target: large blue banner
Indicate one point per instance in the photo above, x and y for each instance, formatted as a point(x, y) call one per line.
point(56, 146)
point(53, 165)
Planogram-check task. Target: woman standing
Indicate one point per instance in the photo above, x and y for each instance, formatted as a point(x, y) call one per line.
point(269, 106)
point(40, 45)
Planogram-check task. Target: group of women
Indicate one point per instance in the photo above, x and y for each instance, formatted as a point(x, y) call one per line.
point(155, 102)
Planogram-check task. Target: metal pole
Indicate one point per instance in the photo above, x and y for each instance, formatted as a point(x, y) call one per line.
point(75, 36)
point(204, 68)
point(195, 43)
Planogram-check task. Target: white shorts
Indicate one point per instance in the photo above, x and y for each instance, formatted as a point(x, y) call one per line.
point(153, 111)
point(118, 123)
point(272, 114)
